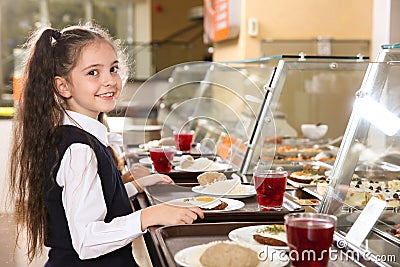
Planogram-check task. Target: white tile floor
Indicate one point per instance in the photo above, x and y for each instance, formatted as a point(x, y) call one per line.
point(17, 258)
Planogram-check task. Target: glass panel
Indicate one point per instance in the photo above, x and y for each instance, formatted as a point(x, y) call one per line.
point(368, 162)
point(220, 102)
point(310, 90)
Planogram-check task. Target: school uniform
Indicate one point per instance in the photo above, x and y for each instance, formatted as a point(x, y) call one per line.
point(90, 219)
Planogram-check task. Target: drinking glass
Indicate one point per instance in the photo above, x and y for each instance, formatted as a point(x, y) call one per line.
point(310, 236)
point(183, 140)
point(270, 186)
point(162, 158)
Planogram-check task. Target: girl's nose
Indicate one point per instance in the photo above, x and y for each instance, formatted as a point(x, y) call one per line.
point(110, 81)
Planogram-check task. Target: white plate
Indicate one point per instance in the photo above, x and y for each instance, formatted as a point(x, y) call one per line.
point(245, 235)
point(216, 167)
point(300, 185)
point(252, 191)
point(147, 161)
point(190, 257)
point(232, 203)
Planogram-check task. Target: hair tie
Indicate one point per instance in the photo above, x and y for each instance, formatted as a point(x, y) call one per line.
point(56, 34)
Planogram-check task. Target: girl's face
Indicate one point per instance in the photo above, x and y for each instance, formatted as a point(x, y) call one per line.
point(94, 83)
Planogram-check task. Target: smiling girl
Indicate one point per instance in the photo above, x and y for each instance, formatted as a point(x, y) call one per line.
point(68, 191)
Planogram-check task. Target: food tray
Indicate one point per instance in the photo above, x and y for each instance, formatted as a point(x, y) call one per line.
point(177, 237)
point(166, 192)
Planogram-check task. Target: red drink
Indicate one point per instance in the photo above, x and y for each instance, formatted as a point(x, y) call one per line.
point(162, 158)
point(270, 186)
point(183, 140)
point(309, 238)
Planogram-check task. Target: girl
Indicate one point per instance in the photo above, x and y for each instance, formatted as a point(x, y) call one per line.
point(69, 194)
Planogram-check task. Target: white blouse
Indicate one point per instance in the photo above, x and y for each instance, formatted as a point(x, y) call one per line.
point(83, 200)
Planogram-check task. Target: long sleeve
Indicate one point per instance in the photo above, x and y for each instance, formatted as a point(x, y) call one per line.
point(130, 189)
point(85, 208)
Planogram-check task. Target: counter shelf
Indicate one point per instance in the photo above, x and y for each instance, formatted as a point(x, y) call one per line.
point(166, 192)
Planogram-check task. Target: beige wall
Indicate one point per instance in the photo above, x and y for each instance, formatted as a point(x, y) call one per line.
point(295, 19)
point(172, 17)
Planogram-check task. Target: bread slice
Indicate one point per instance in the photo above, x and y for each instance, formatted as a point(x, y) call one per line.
point(225, 254)
point(210, 177)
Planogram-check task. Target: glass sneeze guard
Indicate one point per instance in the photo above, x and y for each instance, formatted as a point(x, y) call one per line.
point(306, 89)
point(368, 161)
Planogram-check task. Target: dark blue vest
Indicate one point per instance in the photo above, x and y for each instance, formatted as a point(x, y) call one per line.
point(58, 237)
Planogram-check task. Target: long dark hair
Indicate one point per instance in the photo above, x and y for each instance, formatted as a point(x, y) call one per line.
point(49, 53)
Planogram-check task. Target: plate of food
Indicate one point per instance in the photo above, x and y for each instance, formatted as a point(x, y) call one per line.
point(216, 184)
point(304, 178)
point(210, 204)
point(226, 254)
point(272, 235)
point(147, 161)
point(237, 192)
point(189, 164)
point(167, 141)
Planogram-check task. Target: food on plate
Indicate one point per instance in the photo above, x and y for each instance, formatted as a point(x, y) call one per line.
point(186, 161)
point(225, 254)
point(362, 190)
point(304, 177)
point(316, 169)
point(226, 187)
point(199, 164)
point(272, 235)
point(210, 177)
point(321, 187)
point(207, 203)
point(273, 140)
point(150, 144)
point(307, 201)
point(167, 141)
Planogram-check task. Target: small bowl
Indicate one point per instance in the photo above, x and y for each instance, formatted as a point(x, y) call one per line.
point(314, 131)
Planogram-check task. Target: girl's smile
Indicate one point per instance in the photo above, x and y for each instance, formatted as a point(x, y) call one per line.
point(94, 83)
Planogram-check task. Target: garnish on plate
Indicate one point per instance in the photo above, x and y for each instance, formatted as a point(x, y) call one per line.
point(272, 229)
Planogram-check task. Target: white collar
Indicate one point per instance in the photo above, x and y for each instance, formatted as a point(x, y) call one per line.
point(88, 124)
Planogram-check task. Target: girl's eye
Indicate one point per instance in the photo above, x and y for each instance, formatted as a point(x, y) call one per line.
point(114, 69)
point(93, 72)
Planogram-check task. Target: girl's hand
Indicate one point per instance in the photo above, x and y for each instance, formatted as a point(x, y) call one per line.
point(151, 180)
point(168, 214)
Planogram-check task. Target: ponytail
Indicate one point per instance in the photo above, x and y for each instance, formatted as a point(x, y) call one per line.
point(37, 116)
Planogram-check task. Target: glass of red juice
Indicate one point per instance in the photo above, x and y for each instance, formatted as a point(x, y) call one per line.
point(270, 186)
point(183, 140)
point(162, 158)
point(310, 236)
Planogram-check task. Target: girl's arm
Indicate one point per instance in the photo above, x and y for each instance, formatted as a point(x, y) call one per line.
point(85, 207)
